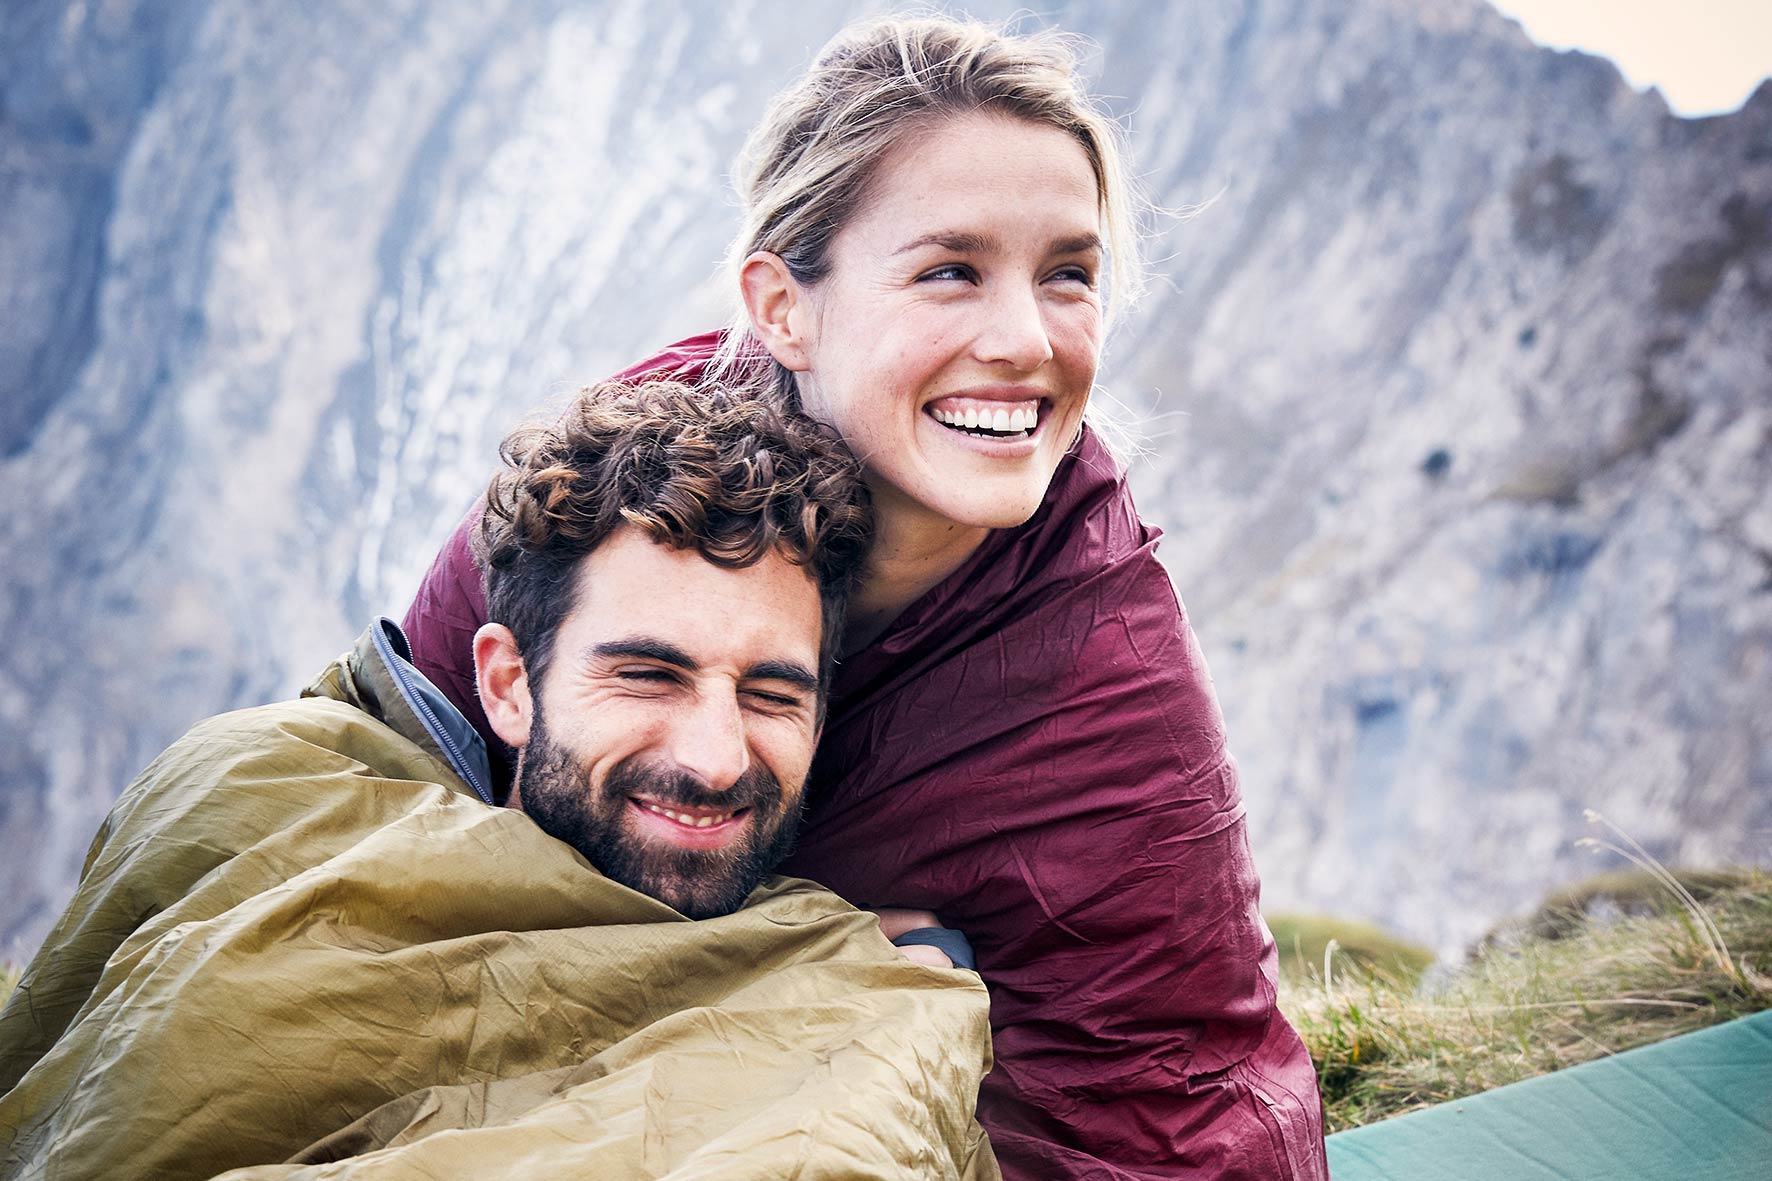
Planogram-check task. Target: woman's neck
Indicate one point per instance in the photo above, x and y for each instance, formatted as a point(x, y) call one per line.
point(914, 549)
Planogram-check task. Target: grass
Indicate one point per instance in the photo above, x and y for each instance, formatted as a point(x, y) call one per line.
point(1305, 939)
point(1622, 961)
point(1630, 891)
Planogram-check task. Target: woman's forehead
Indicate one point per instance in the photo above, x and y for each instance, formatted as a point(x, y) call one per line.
point(981, 182)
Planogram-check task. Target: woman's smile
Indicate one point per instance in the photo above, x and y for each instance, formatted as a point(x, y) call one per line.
point(1006, 416)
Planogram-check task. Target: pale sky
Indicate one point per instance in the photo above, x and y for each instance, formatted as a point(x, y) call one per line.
point(1706, 56)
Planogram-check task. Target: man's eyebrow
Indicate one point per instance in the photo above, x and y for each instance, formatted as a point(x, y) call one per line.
point(644, 648)
point(664, 652)
point(787, 671)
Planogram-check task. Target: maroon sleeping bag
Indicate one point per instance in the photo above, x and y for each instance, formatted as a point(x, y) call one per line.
point(1033, 752)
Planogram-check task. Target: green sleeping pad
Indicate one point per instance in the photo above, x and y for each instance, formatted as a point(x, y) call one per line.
point(1693, 1108)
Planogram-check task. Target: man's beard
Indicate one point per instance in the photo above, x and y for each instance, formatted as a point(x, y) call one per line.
point(596, 820)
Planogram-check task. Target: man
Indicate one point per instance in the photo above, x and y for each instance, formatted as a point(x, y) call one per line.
point(309, 931)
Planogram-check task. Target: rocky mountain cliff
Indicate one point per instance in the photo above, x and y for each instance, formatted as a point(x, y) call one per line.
point(1456, 391)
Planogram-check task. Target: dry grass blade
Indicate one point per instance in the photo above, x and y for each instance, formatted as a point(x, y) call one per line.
point(1640, 857)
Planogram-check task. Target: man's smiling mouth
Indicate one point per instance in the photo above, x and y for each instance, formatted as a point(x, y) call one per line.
point(689, 817)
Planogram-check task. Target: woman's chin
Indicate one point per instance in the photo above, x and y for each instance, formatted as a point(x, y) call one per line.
point(975, 484)
point(986, 507)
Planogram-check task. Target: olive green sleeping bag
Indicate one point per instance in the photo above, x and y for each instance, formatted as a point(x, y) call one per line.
point(299, 932)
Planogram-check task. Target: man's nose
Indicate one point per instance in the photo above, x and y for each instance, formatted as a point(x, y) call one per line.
point(1014, 331)
point(709, 741)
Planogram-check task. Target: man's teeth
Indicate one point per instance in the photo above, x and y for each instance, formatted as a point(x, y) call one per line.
point(691, 821)
point(997, 422)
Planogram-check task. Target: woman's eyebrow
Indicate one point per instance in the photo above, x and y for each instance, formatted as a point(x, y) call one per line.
point(967, 242)
point(786, 671)
point(1081, 244)
point(959, 241)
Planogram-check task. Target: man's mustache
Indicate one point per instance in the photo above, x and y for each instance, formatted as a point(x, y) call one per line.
point(756, 788)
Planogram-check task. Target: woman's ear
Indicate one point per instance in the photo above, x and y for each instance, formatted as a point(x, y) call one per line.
point(779, 308)
point(503, 683)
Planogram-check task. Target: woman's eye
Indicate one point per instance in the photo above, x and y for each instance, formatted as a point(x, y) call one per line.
point(951, 271)
point(1075, 275)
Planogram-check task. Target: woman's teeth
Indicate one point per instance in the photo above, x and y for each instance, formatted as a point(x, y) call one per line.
point(1016, 423)
point(685, 819)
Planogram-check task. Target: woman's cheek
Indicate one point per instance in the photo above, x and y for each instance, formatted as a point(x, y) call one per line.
point(1082, 321)
point(1081, 354)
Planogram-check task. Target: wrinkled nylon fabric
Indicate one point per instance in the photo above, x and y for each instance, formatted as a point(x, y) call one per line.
point(299, 932)
point(1034, 752)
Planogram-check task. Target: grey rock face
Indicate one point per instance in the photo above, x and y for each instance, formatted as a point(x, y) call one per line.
point(1467, 376)
point(1456, 392)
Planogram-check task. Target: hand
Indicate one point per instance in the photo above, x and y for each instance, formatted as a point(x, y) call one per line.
point(932, 957)
point(895, 921)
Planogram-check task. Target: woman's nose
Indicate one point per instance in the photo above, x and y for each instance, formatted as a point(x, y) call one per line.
point(709, 742)
point(1014, 332)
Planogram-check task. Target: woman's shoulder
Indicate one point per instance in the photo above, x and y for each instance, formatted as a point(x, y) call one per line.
point(1084, 552)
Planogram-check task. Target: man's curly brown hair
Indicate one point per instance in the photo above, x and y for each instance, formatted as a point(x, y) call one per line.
point(732, 476)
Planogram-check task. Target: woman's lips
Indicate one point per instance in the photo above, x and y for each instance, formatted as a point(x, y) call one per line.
point(989, 418)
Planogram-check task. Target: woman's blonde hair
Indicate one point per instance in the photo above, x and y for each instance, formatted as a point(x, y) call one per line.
point(806, 168)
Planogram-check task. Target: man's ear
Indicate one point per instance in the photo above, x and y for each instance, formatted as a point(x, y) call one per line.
point(779, 308)
point(503, 682)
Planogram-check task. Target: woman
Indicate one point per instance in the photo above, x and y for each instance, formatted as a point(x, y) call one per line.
point(1022, 736)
